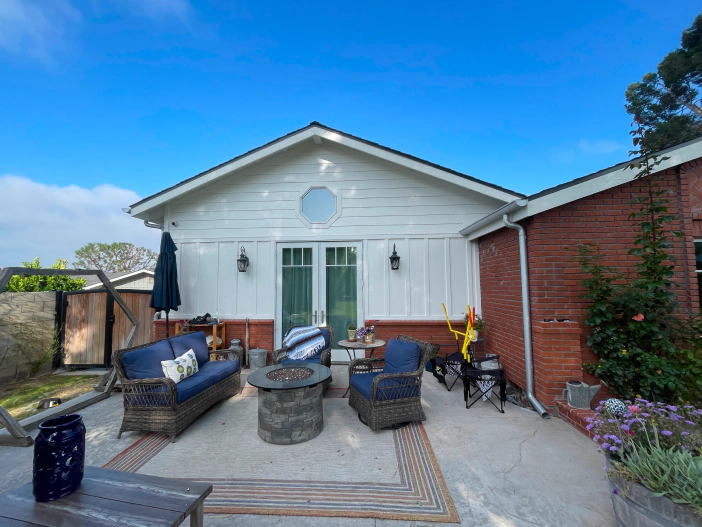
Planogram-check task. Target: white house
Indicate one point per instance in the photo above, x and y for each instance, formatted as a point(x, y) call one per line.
point(318, 213)
point(141, 279)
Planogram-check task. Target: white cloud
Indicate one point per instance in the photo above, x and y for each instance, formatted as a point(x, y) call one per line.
point(598, 147)
point(34, 27)
point(50, 222)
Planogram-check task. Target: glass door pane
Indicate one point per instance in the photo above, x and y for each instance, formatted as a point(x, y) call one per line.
point(298, 300)
point(340, 291)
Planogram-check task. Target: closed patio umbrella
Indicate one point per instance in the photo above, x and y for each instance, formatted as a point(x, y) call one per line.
point(166, 295)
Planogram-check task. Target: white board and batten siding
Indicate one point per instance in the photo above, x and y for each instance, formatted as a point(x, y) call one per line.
point(382, 204)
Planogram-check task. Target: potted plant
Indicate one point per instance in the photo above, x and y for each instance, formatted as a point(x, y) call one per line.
point(366, 334)
point(478, 324)
point(352, 333)
point(653, 461)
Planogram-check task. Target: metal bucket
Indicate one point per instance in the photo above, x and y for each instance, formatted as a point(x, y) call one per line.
point(257, 358)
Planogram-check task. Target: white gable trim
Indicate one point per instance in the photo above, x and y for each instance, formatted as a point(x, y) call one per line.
point(610, 178)
point(123, 277)
point(318, 134)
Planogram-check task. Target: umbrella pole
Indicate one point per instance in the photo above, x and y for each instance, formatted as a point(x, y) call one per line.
point(167, 335)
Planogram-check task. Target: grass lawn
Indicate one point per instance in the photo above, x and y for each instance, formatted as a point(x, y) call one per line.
point(21, 399)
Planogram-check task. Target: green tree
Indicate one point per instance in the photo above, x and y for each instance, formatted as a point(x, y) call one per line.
point(24, 283)
point(667, 102)
point(114, 257)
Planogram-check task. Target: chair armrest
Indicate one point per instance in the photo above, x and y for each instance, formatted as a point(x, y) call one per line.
point(150, 392)
point(365, 366)
point(407, 380)
point(279, 355)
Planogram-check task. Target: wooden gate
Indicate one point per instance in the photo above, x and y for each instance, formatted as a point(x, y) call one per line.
point(94, 325)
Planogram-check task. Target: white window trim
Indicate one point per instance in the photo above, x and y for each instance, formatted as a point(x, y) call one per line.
point(318, 225)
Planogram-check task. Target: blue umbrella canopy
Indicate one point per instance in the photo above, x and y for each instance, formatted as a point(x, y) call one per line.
point(166, 295)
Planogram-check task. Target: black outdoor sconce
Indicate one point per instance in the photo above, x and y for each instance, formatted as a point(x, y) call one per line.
point(243, 261)
point(394, 259)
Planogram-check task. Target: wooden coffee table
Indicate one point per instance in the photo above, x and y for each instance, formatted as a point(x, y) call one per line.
point(110, 497)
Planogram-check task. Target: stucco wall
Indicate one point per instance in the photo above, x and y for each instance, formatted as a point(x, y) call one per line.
point(36, 310)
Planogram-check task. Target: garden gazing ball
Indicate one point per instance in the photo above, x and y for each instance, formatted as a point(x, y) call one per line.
point(615, 407)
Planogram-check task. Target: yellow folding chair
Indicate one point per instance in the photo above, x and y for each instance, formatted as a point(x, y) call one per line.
point(467, 336)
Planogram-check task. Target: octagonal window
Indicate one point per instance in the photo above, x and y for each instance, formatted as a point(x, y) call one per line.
point(318, 205)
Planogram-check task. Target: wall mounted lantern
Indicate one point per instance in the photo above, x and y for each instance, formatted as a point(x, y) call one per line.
point(394, 259)
point(243, 261)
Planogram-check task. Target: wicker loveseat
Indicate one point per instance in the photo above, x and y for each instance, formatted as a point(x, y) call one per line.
point(385, 398)
point(324, 358)
point(156, 403)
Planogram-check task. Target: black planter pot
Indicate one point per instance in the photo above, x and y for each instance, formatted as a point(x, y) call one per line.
point(59, 457)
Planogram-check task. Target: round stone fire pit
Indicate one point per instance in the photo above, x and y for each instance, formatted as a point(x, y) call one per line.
point(290, 407)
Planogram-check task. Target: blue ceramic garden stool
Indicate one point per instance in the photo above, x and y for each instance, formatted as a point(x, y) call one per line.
point(59, 457)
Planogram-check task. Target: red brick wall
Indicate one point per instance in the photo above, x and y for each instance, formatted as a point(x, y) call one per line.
point(501, 296)
point(434, 331)
point(260, 332)
point(555, 277)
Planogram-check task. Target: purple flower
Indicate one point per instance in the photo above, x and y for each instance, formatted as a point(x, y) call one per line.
point(611, 421)
point(690, 423)
point(672, 408)
point(625, 428)
point(589, 419)
point(666, 433)
point(645, 414)
point(649, 405)
point(613, 449)
point(615, 491)
point(596, 438)
point(605, 445)
point(684, 433)
point(589, 427)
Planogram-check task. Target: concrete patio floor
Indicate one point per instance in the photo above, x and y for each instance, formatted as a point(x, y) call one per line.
point(508, 470)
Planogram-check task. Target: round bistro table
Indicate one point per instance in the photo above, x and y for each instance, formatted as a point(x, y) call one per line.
point(289, 411)
point(349, 345)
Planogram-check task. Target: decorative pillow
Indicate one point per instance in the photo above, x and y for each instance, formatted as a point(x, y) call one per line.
point(181, 367)
point(300, 334)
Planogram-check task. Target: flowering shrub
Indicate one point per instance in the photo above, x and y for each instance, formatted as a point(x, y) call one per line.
point(646, 423)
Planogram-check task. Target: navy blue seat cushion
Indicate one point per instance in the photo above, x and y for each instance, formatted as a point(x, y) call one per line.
point(145, 363)
point(314, 360)
point(220, 369)
point(192, 341)
point(363, 381)
point(194, 385)
point(401, 356)
point(326, 335)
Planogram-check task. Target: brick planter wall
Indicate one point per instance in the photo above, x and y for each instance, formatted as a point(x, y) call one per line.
point(260, 332)
point(555, 277)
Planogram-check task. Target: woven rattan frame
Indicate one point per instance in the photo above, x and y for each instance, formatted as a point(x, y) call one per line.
point(152, 404)
point(325, 360)
point(379, 413)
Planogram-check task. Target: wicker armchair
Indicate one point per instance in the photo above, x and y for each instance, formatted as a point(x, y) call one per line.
point(395, 397)
point(152, 404)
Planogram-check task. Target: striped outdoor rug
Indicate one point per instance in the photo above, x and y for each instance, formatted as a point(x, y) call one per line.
point(420, 495)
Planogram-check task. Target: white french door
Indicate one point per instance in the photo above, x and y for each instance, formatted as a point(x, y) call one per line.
point(319, 284)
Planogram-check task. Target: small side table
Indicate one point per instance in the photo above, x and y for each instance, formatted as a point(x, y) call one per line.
point(215, 327)
point(120, 497)
point(360, 345)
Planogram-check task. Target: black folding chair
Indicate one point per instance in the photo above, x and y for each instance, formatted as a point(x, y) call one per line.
point(478, 381)
point(452, 365)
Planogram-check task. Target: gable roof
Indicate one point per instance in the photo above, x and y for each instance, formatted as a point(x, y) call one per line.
point(93, 282)
point(578, 188)
point(318, 132)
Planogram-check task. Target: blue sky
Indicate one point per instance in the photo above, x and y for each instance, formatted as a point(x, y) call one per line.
point(122, 98)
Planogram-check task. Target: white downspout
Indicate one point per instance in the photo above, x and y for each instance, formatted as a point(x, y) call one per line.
point(526, 316)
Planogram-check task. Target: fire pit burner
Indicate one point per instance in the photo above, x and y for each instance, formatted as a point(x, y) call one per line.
point(289, 374)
